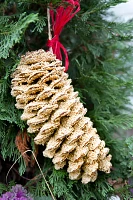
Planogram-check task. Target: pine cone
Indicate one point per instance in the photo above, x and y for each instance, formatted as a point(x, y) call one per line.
point(54, 112)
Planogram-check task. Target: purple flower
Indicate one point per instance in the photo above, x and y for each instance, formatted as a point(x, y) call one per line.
point(17, 192)
point(7, 196)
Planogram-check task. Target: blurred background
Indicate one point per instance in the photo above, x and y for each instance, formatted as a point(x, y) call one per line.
point(123, 11)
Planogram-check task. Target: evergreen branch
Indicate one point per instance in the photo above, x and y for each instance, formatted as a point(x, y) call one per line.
point(39, 25)
point(9, 113)
point(14, 32)
point(3, 187)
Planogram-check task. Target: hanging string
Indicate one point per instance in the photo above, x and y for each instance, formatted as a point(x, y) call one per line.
point(49, 28)
point(63, 14)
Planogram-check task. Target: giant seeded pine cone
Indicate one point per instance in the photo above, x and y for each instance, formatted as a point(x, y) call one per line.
point(54, 112)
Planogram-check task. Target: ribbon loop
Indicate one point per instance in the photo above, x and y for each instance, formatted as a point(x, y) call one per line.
point(63, 14)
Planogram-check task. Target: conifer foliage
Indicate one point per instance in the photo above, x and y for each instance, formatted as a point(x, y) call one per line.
point(100, 56)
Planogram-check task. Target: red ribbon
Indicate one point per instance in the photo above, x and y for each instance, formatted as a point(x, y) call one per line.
point(59, 19)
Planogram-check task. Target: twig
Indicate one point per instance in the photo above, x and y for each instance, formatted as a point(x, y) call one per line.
point(53, 197)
